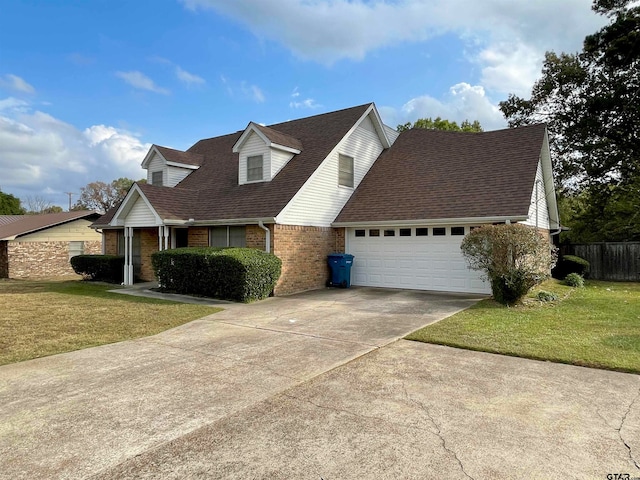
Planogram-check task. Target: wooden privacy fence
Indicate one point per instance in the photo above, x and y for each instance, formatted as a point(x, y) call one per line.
point(618, 261)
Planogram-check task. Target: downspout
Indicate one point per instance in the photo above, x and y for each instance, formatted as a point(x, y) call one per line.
point(268, 238)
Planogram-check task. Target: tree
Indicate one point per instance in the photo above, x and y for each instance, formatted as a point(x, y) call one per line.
point(441, 124)
point(514, 258)
point(101, 196)
point(10, 205)
point(591, 103)
point(36, 205)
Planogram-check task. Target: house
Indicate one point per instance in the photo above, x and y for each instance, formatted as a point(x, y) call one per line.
point(338, 182)
point(40, 246)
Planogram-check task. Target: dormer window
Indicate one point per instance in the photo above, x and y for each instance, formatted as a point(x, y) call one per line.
point(156, 178)
point(345, 171)
point(254, 168)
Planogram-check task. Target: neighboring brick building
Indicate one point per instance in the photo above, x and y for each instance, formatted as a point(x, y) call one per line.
point(338, 182)
point(40, 246)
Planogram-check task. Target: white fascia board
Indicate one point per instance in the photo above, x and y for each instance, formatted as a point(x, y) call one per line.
point(127, 204)
point(433, 221)
point(226, 221)
point(149, 156)
point(251, 128)
point(549, 184)
point(379, 126)
point(182, 165)
point(277, 146)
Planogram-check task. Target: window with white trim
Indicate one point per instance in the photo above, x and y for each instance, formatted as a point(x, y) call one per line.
point(254, 168)
point(345, 171)
point(156, 178)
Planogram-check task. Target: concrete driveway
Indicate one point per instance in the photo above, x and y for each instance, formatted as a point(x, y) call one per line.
point(268, 391)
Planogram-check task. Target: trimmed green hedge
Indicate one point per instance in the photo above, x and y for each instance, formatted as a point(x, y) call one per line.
point(240, 274)
point(571, 264)
point(105, 268)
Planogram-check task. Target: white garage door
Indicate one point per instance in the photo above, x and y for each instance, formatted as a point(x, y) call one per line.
point(421, 258)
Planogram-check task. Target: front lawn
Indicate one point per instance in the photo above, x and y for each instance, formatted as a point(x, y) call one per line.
point(40, 318)
point(596, 326)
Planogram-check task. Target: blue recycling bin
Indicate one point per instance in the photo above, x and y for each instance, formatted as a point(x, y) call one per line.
point(340, 264)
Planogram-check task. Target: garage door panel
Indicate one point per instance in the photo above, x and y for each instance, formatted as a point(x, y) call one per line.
point(417, 262)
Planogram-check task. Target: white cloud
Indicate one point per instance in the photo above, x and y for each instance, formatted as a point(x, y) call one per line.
point(462, 102)
point(16, 83)
point(13, 104)
point(243, 89)
point(189, 79)
point(306, 103)
point(330, 30)
point(40, 154)
point(141, 81)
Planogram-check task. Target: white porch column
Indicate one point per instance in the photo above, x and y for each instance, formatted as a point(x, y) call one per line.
point(128, 259)
point(167, 233)
point(163, 237)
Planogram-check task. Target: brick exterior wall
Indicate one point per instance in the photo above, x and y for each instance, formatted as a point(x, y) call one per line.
point(198, 237)
point(110, 239)
point(303, 251)
point(44, 259)
point(4, 259)
point(148, 245)
point(256, 237)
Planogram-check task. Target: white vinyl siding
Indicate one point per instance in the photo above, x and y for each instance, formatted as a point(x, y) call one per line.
point(175, 175)
point(171, 176)
point(254, 146)
point(255, 168)
point(539, 207)
point(321, 198)
point(279, 159)
point(140, 215)
point(392, 134)
point(407, 260)
point(156, 164)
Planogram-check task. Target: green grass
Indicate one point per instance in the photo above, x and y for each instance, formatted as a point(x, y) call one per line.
point(596, 326)
point(40, 318)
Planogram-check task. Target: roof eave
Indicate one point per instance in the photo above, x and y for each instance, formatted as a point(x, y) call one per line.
point(432, 221)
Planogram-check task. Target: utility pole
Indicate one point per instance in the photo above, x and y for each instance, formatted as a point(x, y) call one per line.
point(69, 193)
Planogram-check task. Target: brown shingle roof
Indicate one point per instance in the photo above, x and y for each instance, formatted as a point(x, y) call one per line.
point(212, 192)
point(220, 196)
point(430, 174)
point(179, 156)
point(32, 223)
point(280, 138)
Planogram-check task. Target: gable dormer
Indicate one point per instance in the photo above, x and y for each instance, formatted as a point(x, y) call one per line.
point(167, 167)
point(263, 152)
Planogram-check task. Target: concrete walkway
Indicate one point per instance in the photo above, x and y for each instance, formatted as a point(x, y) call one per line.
point(285, 389)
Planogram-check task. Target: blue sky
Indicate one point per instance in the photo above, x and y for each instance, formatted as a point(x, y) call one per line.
point(87, 87)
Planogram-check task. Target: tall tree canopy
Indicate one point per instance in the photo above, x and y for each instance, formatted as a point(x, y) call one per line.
point(591, 104)
point(442, 124)
point(101, 196)
point(10, 205)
